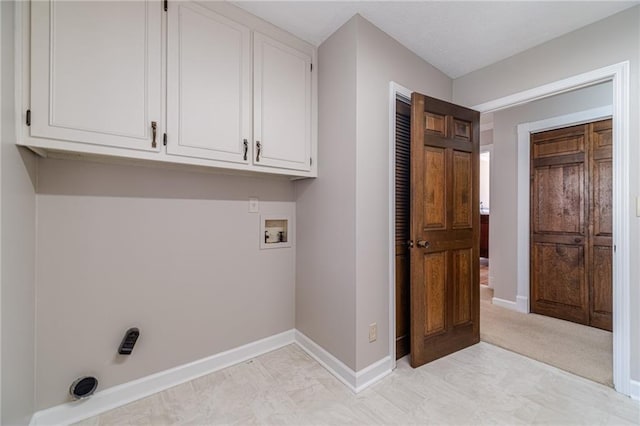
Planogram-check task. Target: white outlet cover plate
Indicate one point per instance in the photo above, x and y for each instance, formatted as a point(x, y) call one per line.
point(254, 205)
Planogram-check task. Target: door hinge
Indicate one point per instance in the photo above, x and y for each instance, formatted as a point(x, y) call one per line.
point(164, 139)
point(28, 117)
point(311, 66)
point(310, 161)
point(166, 5)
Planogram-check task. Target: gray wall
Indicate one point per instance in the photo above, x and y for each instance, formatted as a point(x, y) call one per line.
point(343, 216)
point(603, 43)
point(381, 59)
point(175, 253)
point(17, 196)
point(326, 253)
point(504, 179)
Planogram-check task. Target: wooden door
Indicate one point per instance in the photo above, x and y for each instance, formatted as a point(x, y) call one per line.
point(445, 226)
point(601, 225)
point(96, 72)
point(208, 84)
point(402, 208)
point(571, 223)
point(281, 105)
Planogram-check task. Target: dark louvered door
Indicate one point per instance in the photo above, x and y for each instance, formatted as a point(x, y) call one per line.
point(403, 145)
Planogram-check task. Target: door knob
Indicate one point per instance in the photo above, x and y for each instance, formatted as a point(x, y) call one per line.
point(423, 244)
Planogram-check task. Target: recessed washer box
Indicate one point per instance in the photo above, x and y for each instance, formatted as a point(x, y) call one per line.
point(275, 232)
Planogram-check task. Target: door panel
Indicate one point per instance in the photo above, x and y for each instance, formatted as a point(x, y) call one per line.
point(435, 271)
point(571, 223)
point(561, 288)
point(435, 123)
point(558, 200)
point(281, 104)
point(571, 144)
point(601, 291)
point(463, 286)
point(208, 84)
point(96, 72)
point(445, 228)
point(462, 190)
point(603, 196)
point(435, 206)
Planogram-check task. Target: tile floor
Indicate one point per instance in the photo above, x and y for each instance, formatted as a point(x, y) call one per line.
point(482, 384)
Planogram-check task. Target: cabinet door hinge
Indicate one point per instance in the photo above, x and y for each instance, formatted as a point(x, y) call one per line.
point(311, 66)
point(311, 161)
point(166, 5)
point(164, 139)
point(28, 117)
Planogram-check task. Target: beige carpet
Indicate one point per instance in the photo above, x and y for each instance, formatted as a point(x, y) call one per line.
point(581, 350)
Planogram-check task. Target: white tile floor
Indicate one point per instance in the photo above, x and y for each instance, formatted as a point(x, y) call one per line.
point(482, 384)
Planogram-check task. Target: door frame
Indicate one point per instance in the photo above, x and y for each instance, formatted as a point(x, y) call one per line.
point(523, 303)
point(618, 74)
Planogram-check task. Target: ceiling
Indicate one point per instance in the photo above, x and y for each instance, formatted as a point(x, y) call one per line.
point(456, 37)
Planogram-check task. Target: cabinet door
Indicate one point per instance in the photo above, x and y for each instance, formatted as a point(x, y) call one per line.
point(209, 85)
point(281, 105)
point(96, 72)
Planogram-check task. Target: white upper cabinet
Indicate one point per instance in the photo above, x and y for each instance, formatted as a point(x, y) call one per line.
point(96, 71)
point(208, 85)
point(281, 105)
point(202, 84)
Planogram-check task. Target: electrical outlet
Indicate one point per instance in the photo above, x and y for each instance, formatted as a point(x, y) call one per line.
point(373, 332)
point(254, 205)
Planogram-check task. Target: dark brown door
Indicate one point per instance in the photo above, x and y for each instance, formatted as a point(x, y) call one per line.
point(601, 225)
point(571, 224)
point(445, 214)
point(403, 164)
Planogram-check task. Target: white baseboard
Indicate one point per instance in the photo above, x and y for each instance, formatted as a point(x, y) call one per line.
point(356, 381)
point(504, 303)
point(635, 389)
point(336, 367)
point(522, 304)
point(125, 393)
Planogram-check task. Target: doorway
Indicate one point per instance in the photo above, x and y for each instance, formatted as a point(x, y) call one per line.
point(485, 203)
point(618, 74)
point(581, 350)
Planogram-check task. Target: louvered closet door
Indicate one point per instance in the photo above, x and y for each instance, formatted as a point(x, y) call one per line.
point(96, 72)
point(402, 185)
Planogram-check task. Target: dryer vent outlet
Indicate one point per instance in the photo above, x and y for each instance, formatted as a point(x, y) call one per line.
point(83, 387)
